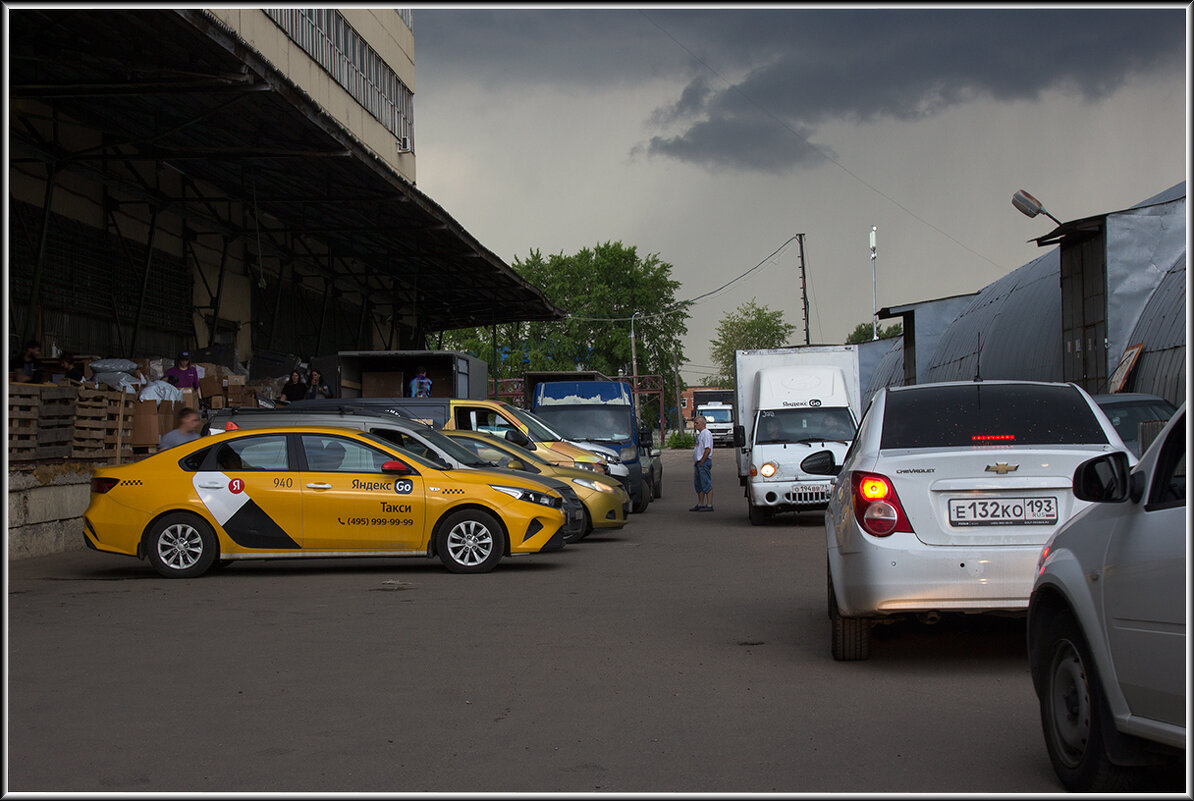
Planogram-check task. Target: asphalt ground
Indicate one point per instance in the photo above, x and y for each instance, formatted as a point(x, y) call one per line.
point(687, 652)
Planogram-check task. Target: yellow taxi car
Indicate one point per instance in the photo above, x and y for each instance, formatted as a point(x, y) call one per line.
point(313, 492)
point(606, 503)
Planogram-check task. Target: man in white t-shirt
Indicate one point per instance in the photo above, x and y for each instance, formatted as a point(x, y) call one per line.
point(702, 467)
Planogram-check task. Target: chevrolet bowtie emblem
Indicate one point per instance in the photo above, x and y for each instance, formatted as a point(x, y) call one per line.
point(1002, 468)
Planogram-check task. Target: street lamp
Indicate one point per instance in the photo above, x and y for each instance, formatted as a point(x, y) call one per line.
point(1029, 206)
point(874, 293)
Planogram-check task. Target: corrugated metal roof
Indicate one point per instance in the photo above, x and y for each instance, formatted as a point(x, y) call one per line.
point(1161, 366)
point(1017, 319)
point(889, 372)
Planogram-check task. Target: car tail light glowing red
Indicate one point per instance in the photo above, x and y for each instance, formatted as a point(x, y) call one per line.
point(231, 426)
point(992, 438)
point(877, 506)
point(102, 485)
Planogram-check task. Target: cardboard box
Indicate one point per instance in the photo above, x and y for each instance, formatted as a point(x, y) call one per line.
point(382, 385)
point(236, 380)
point(168, 415)
point(211, 386)
point(188, 399)
point(146, 426)
point(216, 401)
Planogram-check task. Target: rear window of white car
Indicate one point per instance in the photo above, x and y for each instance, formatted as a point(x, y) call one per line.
point(988, 414)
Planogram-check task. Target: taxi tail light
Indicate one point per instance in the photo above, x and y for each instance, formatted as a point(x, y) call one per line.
point(877, 507)
point(102, 485)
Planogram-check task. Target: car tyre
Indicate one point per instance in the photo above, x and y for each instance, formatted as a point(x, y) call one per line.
point(584, 532)
point(643, 503)
point(850, 637)
point(657, 488)
point(470, 541)
point(181, 545)
point(758, 515)
point(1072, 711)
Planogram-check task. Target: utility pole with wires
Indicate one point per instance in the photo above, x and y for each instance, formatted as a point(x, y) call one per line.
point(679, 411)
point(803, 286)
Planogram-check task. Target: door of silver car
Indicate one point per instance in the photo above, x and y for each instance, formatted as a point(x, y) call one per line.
point(1144, 604)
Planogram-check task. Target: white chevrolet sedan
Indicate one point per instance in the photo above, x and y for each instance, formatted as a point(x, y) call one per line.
point(946, 497)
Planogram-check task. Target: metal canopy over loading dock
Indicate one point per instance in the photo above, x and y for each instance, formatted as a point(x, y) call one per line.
point(173, 114)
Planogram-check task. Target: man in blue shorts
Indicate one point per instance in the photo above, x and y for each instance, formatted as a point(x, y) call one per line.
point(702, 467)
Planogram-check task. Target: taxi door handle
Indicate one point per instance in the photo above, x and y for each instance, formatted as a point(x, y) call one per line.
point(211, 486)
point(319, 486)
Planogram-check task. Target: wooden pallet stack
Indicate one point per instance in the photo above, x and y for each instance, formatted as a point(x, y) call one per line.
point(91, 423)
point(55, 421)
point(119, 431)
point(24, 401)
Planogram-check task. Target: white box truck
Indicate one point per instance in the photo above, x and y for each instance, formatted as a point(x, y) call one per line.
point(792, 403)
point(719, 419)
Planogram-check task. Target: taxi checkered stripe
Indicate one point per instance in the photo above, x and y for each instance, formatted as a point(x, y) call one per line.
point(452, 491)
point(133, 482)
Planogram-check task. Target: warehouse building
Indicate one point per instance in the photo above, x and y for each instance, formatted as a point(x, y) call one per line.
point(239, 182)
point(1110, 294)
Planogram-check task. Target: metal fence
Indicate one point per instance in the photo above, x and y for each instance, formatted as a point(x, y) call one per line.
point(325, 35)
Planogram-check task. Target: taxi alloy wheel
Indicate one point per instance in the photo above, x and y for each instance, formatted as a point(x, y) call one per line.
point(181, 546)
point(470, 541)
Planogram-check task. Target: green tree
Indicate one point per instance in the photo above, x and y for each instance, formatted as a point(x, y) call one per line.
point(600, 288)
point(747, 327)
point(863, 332)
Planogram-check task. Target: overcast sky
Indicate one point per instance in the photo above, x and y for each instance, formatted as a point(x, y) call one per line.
point(712, 136)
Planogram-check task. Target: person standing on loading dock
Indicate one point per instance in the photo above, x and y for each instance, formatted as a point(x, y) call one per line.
point(702, 467)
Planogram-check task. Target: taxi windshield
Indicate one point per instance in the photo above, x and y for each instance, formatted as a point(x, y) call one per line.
point(417, 460)
point(453, 449)
point(497, 448)
point(538, 431)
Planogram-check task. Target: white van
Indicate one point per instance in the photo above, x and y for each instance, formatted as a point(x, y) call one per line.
point(794, 411)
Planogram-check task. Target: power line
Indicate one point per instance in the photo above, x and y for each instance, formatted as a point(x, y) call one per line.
point(690, 301)
point(825, 155)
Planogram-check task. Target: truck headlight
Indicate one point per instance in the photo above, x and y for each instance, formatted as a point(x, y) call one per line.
point(628, 453)
point(588, 483)
point(767, 470)
point(531, 496)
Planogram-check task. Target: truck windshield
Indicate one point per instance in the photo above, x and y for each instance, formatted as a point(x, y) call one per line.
point(804, 425)
point(538, 432)
point(715, 415)
point(605, 423)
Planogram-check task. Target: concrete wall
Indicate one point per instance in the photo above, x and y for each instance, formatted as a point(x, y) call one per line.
point(385, 32)
point(45, 509)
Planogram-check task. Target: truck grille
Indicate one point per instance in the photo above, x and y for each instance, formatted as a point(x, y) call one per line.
point(809, 495)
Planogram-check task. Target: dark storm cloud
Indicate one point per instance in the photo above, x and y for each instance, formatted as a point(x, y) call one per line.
point(804, 67)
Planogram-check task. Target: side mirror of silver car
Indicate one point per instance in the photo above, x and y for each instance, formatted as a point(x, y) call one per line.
point(1104, 479)
point(820, 464)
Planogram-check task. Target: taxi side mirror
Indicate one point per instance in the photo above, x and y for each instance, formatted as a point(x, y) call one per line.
point(514, 464)
point(520, 439)
point(396, 467)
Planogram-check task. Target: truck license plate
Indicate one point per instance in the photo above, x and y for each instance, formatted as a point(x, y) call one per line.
point(1002, 511)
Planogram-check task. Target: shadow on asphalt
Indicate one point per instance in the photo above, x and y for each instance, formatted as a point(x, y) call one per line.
point(250, 568)
point(957, 640)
